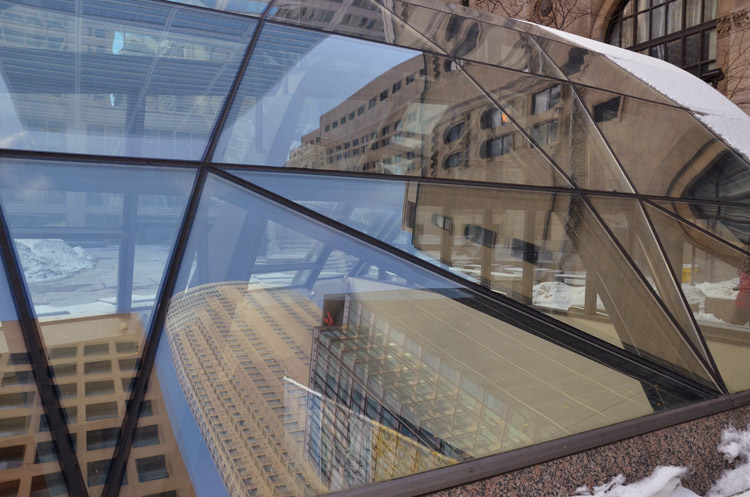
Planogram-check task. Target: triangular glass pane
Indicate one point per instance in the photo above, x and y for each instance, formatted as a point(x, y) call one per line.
point(93, 241)
point(676, 157)
point(716, 281)
point(538, 248)
point(316, 101)
point(140, 80)
point(28, 457)
point(283, 381)
point(728, 222)
point(361, 19)
point(581, 65)
point(626, 221)
point(473, 39)
point(552, 114)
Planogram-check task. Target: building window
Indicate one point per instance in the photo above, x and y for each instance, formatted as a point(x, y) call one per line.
point(495, 147)
point(545, 99)
point(151, 468)
point(396, 86)
point(682, 32)
point(545, 133)
point(453, 160)
point(492, 119)
point(454, 133)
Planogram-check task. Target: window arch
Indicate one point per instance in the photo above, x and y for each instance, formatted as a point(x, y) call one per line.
point(682, 32)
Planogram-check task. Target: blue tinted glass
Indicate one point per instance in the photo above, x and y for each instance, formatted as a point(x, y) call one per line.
point(143, 79)
point(287, 337)
point(92, 239)
point(316, 101)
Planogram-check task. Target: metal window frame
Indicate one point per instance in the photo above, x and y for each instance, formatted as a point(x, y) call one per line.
point(410, 485)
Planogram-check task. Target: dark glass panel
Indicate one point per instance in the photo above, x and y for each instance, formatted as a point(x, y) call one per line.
point(692, 13)
point(22, 419)
point(541, 249)
point(300, 88)
point(473, 39)
point(716, 281)
point(627, 222)
point(359, 18)
point(553, 115)
point(581, 65)
point(676, 157)
point(115, 77)
point(280, 382)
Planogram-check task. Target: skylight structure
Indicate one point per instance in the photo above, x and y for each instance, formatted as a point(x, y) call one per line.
point(303, 247)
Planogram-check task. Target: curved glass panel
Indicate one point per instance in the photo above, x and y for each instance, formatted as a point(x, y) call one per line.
point(553, 115)
point(301, 381)
point(87, 77)
point(473, 39)
point(583, 66)
point(716, 281)
point(361, 19)
point(546, 250)
point(731, 223)
point(677, 157)
point(28, 457)
point(309, 100)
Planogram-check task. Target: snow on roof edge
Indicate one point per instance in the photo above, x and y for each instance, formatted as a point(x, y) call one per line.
point(710, 107)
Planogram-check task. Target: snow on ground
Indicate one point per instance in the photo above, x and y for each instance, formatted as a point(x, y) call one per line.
point(51, 259)
point(720, 290)
point(557, 295)
point(665, 481)
point(710, 107)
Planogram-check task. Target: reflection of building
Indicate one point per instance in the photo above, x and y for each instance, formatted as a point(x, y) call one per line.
point(93, 361)
point(232, 352)
point(245, 366)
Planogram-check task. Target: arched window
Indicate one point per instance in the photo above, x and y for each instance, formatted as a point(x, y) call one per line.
point(682, 32)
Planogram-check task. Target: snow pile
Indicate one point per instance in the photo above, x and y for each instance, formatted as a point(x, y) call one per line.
point(707, 317)
point(720, 290)
point(710, 107)
point(51, 259)
point(734, 445)
point(557, 295)
point(663, 482)
point(693, 294)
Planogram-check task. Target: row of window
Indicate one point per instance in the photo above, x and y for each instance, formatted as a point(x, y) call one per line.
point(395, 87)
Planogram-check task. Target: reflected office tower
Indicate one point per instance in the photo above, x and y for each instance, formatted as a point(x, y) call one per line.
point(244, 368)
point(93, 361)
point(232, 353)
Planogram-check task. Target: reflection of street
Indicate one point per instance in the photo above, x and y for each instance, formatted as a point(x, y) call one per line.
point(93, 290)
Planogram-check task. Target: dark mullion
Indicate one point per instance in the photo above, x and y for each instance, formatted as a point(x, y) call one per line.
point(699, 357)
point(148, 358)
point(516, 313)
point(185, 164)
point(698, 228)
point(683, 298)
point(227, 106)
point(45, 384)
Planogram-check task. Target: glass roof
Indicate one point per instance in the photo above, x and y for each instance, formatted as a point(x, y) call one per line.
point(291, 248)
